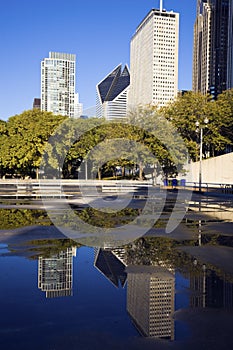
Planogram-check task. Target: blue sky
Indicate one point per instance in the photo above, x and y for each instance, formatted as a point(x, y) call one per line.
point(98, 32)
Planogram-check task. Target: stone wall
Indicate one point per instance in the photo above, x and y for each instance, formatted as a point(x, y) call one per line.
point(217, 170)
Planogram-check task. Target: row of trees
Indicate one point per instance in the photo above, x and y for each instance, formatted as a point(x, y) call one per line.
point(165, 137)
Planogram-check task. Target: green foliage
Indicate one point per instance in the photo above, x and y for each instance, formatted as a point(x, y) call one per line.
point(16, 218)
point(107, 219)
point(149, 136)
point(192, 107)
point(47, 248)
point(23, 140)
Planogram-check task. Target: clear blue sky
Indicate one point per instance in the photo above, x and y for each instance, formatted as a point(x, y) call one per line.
point(98, 32)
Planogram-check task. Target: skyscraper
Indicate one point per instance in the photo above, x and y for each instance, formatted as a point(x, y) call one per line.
point(230, 48)
point(211, 46)
point(112, 94)
point(154, 59)
point(58, 84)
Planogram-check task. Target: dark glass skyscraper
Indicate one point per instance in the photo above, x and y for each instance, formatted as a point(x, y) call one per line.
point(211, 46)
point(112, 94)
point(230, 48)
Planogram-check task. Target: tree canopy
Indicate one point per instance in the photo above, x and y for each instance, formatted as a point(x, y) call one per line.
point(148, 137)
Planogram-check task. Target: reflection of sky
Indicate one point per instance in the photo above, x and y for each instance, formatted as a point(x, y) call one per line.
point(182, 300)
point(182, 296)
point(96, 307)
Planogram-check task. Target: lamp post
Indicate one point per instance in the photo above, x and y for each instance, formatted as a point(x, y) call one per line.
point(200, 129)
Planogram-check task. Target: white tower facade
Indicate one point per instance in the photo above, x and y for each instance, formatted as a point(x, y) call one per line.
point(154, 59)
point(58, 84)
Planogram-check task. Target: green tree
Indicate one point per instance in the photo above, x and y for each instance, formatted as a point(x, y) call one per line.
point(24, 139)
point(190, 108)
point(225, 109)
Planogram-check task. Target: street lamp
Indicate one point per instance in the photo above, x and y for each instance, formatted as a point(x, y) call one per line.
point(200, 128)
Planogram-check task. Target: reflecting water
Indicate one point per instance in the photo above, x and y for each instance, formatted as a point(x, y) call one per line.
point(161, 291)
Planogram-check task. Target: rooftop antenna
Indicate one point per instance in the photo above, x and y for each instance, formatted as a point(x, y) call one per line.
point(161, 5)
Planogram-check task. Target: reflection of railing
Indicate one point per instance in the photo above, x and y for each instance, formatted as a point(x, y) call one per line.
point(212, 187)
point(206, 186)
point(62, 187)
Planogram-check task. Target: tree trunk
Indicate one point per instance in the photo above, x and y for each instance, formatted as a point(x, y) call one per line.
point(99, 173)
point(123, 172)
point(140, 171)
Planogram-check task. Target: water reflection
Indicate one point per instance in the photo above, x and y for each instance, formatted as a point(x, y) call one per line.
point(158, 292)
point(151, 300)
point(151, 282)
point(208, 290)
point(55, 274)
point(108, 263)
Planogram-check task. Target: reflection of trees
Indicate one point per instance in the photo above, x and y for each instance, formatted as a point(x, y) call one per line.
point(107, 219)
point(158, 251)
point(166, 252)
point(45, 248)
point(15, 218)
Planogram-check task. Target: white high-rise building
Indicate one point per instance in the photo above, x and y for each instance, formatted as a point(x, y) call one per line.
point(78, 107)
point(58, 84)
point(154, 59)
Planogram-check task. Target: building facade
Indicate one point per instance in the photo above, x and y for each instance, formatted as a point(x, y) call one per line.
point(112, 94)
point(211, 47)
point(55, 274)
point(154, 59)
point(37, 103)
point(150, 300)
point(78, 107)
point(58, 84)
point(230, 48)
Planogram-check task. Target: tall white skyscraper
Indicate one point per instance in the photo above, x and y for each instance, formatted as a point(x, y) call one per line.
point(154, 59)
point(58, 84)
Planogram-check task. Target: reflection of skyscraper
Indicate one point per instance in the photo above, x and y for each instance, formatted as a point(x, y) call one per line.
point(110, 266)
point(55, 273)
point(150, 300)
point(209, 290)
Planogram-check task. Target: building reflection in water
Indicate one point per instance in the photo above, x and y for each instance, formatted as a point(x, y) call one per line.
point(55, 274)
point(150, 291)
point(111, 266)
point(208, 290)
point(150, 300)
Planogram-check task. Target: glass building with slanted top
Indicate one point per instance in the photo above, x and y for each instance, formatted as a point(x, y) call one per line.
point(112, 94)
